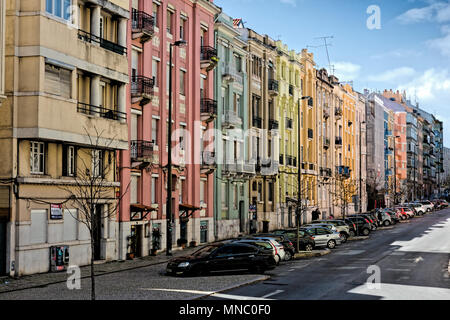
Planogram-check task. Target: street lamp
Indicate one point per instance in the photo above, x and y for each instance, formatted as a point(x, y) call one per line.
point(360, 165)
point(169, 215)
point(395, 171)
point(299, 171)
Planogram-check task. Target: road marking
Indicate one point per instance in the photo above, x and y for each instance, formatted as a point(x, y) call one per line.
point(398, 270)
point(291, 270)
point(349, 268)
point(207, 293)
point(389, 291)
point(417, 260)
point(272, 294)
point(350, 252)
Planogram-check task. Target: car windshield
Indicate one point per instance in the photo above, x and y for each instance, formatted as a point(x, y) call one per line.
point(204, 251)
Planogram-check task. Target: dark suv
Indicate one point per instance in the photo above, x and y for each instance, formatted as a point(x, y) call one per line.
point(363, 225)
point(306, 242)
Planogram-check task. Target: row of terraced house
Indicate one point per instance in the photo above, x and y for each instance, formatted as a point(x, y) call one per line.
point(260, 138)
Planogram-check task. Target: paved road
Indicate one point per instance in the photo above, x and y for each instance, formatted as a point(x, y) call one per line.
point(413, 259)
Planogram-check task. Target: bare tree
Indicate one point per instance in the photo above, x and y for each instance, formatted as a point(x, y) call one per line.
point(92, 191)
point(343, 192)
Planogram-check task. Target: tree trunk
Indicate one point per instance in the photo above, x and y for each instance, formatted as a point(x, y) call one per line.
point(92, 270)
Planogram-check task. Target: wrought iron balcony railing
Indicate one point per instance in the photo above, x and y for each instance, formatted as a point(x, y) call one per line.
point(273, 85)
point(141, 85)
point(207, 53)
point(142, 25)
point(141, 149)
point(106, 44)
point(257, 122)
point(208, 106)
point(101, 112)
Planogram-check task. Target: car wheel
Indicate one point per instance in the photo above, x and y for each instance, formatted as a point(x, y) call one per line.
point(387, 223)
point(343, 237)
point(366, 231)
point(352, 233)
point(309, 247)
point(331, 244)
point(288, 256)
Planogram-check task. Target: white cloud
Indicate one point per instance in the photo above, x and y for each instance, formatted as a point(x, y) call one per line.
point(432, 89)
point(392, 75)
point(436, 11)
point(346, 71)
point(442, 44)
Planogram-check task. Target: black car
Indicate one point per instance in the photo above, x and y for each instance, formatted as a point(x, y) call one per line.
point(306, 242)
point(352, 226)
point(223, 257)
point(373, 224)
point(363, 226)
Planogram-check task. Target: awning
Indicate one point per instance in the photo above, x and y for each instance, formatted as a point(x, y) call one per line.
point(187, 210)
point(139, 211)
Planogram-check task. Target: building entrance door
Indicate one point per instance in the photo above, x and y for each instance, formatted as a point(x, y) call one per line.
point(98, 232)
point(241, 216)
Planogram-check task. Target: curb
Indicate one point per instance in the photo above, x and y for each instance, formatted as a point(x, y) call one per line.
point(311, 254)
point(358, 238)
point(386, 228)
point(244, 283)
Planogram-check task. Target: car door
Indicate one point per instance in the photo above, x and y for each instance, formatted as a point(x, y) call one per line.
point(319, 237)
point(222, 259)
point(244, 256)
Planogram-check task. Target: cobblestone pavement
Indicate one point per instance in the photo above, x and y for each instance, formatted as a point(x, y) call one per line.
point(8, 284)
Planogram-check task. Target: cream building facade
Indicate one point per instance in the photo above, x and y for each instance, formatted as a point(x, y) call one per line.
point(64, 117)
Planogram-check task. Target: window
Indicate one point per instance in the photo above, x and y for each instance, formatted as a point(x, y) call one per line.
point(155, 131)
point(202, 192)
point(153, 191)
point(134, 189)
point(59, 8)
point(38, 232)
point(37, 157)
point(97, 163)
point(224, 196)
point(182, 28)
point(169, 21)
point(182, 82)
point(155, 14)
point(181, 188)
point(58, 81)
point(155, 66)
point(238, 63)
point(69, 158)
point(203, 231)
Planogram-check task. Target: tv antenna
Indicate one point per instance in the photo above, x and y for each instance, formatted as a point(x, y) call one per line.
point(326, 44)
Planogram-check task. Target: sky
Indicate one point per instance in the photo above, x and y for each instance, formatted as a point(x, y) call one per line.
point(409, 49)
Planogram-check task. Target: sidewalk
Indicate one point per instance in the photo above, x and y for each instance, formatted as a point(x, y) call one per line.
point(8, 284)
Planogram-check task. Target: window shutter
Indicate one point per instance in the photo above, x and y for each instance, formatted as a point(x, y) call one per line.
point(75, 156)
point(64, 161)
point(51, 79)
point(65, 83)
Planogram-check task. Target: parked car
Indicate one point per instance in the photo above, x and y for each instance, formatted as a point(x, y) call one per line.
point(259, 243)
point(406, 212)
point(352, 226)
point(393, 214)
point(373, 217)
point(279, 248)
point(341, 227)
point(325, 225)
point(369, 219)
point(363, 226)
point(418, 208)
point(443, 203)
point(428, 205)
point(323, 237)
point(284, 240)
point(306, 242)
point(384, 218)
point(222, 257)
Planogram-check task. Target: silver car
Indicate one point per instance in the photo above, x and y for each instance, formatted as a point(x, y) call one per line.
point(323, 237)
point(341, 227)
point(330, 226)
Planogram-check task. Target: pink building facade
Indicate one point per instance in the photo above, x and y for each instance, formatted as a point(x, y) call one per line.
point(153, 27)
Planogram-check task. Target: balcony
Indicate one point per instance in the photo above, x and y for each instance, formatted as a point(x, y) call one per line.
point(257, 122)
point(142, 26)
point(229, 169)
point(142, 152)
point(208, 110)
point(338, 112)
point(230, 74)
point(106, 44)
point(338, 142)
point(343, 171)
point(326, 143)
point(273, 87)
point(273, 124)
point(208, 162)
point(249, 169)
point(231, 119)
point(101, 112)
point(141, 90)
point(266, 167)
point(208, 58)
